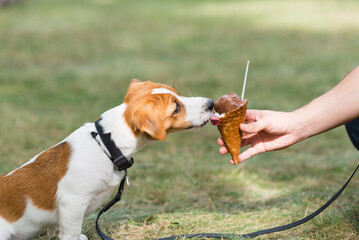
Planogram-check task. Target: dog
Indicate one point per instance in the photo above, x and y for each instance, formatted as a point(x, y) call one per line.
point(75, 177)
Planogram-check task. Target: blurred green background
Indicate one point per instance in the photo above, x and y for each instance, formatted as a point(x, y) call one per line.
point(64, 62)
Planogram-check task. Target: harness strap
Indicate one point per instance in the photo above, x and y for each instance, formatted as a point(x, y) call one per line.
point(116, 156)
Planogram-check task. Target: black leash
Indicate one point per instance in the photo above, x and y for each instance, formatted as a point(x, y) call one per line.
point(122, 163)
point(269, 230)
point(116, 199)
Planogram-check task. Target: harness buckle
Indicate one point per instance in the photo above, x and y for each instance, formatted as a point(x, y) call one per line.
point(122, 163)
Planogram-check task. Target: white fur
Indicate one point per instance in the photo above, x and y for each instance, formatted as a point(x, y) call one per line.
point(91, 177)
point(33, 221)
point(6, 229)
point(195, 106)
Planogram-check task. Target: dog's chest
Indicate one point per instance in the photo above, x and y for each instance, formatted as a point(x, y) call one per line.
point(104, 193)
point(99, 199)
point(91, 176)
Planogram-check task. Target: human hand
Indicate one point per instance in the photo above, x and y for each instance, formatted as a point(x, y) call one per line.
point(265, 131)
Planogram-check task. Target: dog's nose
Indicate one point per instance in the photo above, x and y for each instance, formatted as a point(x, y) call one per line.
point(210, 105)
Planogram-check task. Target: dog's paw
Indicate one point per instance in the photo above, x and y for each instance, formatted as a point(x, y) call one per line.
point(83, 237)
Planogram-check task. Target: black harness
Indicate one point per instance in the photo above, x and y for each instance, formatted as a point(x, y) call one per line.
point(116, 156)
point(122, 163)
point(119, 160)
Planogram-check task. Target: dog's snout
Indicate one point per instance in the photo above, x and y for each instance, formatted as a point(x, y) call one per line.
point(210, 105)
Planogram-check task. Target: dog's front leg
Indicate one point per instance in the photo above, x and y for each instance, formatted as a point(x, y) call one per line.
point(70, 220)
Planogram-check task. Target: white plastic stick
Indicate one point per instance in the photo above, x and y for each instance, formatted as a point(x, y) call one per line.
point(245, 80)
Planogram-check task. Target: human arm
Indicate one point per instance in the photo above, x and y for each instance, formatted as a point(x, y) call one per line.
point(271, 130)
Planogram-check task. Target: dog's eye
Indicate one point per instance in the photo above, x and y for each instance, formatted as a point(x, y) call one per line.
point(178, 108)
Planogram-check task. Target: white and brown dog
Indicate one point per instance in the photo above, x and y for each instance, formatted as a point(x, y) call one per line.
point(75, 177)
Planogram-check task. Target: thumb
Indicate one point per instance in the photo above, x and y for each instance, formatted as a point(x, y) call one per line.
point(252, 127)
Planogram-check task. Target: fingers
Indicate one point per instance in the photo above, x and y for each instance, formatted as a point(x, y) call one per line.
point(223, 150)
point(249, 127)
point(257, 147)
point(253, 115)
point(247, 139)
point(255, 121)
point(248, 153)
point(220, 141)
point(250, 139)
point(253, 127)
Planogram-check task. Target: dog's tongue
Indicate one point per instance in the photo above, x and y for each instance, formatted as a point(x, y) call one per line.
point(214, 120)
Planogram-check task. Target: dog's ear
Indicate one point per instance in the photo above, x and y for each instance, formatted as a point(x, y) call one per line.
point(149, 123)
point(134, 82)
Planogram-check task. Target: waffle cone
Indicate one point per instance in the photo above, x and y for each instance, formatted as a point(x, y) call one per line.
point(230, 132)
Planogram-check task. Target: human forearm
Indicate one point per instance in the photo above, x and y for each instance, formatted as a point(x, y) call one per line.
point(334, 108)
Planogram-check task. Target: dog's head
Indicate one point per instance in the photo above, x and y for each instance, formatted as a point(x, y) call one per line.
point(154, 110)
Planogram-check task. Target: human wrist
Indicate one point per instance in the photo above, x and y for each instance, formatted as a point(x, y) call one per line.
point(303, 124)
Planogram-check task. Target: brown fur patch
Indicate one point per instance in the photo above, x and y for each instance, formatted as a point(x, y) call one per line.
point(153, 114)
point(37, 181)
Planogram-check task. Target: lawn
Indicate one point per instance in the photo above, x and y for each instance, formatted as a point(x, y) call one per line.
point(63, 63)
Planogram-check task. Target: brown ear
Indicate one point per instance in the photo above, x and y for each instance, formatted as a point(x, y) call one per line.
point(149, 123)
point(134, 82)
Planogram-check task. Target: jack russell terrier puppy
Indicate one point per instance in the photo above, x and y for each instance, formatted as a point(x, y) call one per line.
point(75, 177)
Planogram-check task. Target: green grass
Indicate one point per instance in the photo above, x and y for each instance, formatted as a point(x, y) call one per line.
point(63, 63)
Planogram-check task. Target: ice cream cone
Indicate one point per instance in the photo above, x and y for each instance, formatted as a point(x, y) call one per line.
point(230, 132)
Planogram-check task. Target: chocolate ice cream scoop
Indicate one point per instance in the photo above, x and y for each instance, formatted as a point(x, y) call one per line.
point(228, 125)
point(228, 102)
